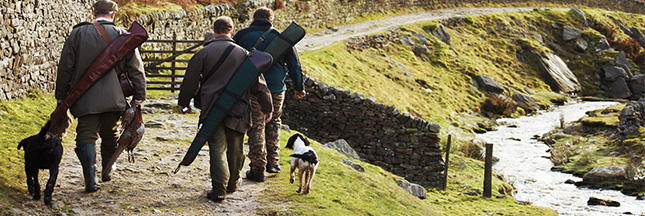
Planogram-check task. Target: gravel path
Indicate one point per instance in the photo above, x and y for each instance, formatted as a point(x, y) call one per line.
point(148, 186)
point(328, 36)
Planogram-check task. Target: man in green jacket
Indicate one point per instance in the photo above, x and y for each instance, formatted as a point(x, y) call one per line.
point(264, 139)
point(100, 107)
point(225, 144)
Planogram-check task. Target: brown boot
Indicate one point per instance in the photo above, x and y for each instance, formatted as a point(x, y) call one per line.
point(271, 168)
point(256, 175)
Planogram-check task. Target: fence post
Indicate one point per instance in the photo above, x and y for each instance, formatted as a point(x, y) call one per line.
point(445, 172)
point(174, 51)
point(488, 170)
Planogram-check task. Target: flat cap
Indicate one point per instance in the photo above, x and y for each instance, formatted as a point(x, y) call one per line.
point(105, 5)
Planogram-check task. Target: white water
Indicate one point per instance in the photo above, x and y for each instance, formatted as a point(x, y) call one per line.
point(522, 163)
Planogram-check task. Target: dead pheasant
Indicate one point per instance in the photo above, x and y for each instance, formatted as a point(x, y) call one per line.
point(133, 129)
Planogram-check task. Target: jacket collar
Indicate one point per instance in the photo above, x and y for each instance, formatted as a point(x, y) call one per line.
point(220, 38)
point(262, 23)
point(104, 21)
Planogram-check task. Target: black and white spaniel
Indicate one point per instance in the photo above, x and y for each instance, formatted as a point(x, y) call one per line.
point(305, 159)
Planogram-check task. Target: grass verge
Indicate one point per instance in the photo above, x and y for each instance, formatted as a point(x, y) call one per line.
point(19, 119)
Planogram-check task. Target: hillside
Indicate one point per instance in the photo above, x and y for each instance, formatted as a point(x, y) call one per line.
point(417, 72)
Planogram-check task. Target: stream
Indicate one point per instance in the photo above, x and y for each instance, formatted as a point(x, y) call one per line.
point(524, 165)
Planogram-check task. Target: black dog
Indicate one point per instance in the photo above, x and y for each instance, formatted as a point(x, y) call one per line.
point(42, 151)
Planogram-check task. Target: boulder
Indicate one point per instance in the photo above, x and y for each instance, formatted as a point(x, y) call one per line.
point(597, 175)
point(412, 188)
point(353, 164)
point(528, 90)
point(558, 75)
point(570, 33)
point(613, 72)
point(420, 50)
point(343, 147)
point(621, 59)
point(407, 40)
point(527, 103)
point(637, 85)
point(619, 89)
point(603, 43)
point(538, 37)
point(489, 84)
point(581, 44)
point(580, 14)
point(422, 38)
point(596, 201)
point(629, 118)
point(441, 33)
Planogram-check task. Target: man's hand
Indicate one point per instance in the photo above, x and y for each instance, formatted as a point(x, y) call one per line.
point(184, 110)
point(299, 94)
point(138, 102)
point(267, 117)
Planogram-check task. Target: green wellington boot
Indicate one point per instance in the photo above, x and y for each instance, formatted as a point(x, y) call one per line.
point(87, 155)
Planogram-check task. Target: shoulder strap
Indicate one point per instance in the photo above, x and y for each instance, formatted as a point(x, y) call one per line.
point(104, 34)
point(218, 63)
point(264, 36)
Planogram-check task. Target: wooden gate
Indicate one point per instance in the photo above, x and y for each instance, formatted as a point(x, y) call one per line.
point(166, 60)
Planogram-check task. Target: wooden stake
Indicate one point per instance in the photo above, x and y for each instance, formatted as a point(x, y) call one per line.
point(488, 170)
point(445, 172)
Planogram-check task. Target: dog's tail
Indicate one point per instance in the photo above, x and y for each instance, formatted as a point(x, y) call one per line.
point(21, 144)
point(309, 156)
point(41, 135)
point(43, 130)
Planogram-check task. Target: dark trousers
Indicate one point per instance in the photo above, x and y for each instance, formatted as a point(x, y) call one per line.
point(226, 158)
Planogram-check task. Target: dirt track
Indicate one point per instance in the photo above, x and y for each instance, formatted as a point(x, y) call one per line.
point(149, 187)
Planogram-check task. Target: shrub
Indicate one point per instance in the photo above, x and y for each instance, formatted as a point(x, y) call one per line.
point(560, 153)
point(473, 149)
point(498, 106)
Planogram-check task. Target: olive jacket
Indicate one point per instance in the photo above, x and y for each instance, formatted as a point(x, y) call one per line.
point(200, 65)
point(82, 47)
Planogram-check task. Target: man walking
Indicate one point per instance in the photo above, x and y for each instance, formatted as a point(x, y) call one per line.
point(100, 107)
point(264, 139)
point(213, 66)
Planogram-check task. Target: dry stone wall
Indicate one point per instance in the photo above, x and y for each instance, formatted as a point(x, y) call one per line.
point(380, 134)
point(32, 33)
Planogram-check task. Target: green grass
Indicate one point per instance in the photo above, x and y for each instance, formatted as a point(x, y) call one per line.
point(505, 54)
point(598, 149)
point(338, 189)
point(603, 117)
point(19, 119)
point(467, 175)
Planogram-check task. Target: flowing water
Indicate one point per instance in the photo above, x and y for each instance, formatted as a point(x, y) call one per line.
point(523, 164)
